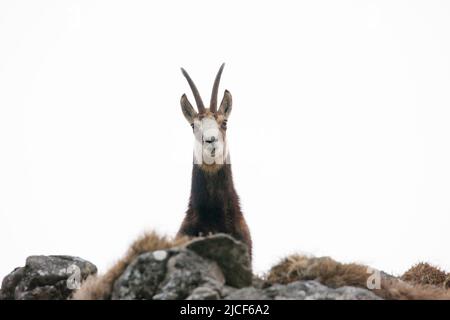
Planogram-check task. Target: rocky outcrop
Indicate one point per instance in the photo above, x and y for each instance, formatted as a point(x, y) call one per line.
point(199, 269)
point(208, 268)
point(46, 278)
point(215, 267)
point(231, 256)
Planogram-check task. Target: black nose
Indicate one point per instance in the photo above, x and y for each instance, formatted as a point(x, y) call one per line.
point(210, 139)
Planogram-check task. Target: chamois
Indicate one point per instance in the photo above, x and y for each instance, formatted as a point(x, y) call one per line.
point(213, 204)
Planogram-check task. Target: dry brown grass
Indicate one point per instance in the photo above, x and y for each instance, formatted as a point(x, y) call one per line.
point(424, 273)
point(334, 274)
point(323, 269)
point(100, 287)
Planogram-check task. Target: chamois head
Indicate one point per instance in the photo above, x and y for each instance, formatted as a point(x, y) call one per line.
point(209, 125)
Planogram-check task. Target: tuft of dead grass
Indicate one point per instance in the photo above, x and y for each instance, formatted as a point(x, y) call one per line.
point(424, 273)
point(323, 269)
point(335, 274)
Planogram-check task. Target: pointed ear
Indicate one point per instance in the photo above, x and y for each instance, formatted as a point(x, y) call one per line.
point(225, 106)
point(188, 111)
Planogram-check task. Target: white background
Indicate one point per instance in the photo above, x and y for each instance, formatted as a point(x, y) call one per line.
point(339, 135)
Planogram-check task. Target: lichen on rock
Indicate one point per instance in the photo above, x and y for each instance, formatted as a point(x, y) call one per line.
point(45, 278)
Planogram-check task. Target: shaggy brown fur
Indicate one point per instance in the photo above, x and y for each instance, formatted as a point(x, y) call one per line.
point(424, 273)
point(214, 206)
point(100, 287)
point(334, 274)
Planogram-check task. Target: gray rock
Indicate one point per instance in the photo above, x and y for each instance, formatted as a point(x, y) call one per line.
point(46, 278)
point(227, 290)
point(291, 291)
point(187, 271)
point(313, 290)
point(353, 293)
point(231, 256)
point(142, 277)
point(204, 293)
point(249, 293)
point(298, 290)
point(10, 282)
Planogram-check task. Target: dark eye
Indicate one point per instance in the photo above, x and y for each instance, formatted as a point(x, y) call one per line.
point(224, 124)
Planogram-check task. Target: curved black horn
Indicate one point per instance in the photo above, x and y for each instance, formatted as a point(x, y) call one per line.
point(213, 104)
point(198, 99)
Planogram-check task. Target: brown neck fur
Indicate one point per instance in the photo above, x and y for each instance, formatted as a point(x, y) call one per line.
point(214, 205)
point(212, 190)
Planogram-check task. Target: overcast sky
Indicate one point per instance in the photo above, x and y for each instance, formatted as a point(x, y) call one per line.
point(339, 135)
